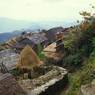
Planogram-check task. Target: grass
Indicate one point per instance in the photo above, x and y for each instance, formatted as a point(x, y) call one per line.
point(81, 76)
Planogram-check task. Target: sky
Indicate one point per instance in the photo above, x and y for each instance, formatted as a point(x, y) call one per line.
point(44, 10)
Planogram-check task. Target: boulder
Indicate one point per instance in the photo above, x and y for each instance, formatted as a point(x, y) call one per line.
point(88, 89)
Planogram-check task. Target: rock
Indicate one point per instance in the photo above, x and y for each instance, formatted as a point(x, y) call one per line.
point(9, 86)
point(88, 89)
point(9, 58)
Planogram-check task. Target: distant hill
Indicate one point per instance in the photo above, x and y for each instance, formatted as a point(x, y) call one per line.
point(10, 28)
point(6, 36)
point(9, 25)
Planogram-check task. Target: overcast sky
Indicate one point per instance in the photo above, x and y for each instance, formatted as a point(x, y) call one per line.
point(43, 10)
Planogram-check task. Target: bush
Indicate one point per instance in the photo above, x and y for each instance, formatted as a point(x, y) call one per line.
point(73, 60)
point(39, 52)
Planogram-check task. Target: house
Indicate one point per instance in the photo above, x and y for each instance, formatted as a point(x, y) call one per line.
point(55, 50)
point(32, 40)
point(28, 59)
point(22, 43)
point(51, 33)
point(38, 38)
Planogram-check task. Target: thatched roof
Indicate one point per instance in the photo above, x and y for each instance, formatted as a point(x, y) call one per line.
point(22, 43)
point(51, 52)
point(37, 38)
point(52, 32)
point(33, 40)
point(28, 58)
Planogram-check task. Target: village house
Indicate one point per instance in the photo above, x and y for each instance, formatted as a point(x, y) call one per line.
point(55, 50)
point(44, 78)
point(32, 40)
point(38, 77)
point(51, 33)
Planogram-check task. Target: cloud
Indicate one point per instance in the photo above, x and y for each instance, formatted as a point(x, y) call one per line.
point(43, 9)
point(53, 0)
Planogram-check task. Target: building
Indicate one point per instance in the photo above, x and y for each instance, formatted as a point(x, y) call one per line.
point(51, 33)
point(33, 40)
point(28, 59)
point(55, 50)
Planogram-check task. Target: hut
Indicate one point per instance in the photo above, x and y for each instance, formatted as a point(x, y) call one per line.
point(43, 79)
point(28, 59)
point(55, 50)
point(32, 40)
point(51, 33)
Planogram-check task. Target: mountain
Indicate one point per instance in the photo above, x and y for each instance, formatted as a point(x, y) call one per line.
point(6, 36)
point(10, 27)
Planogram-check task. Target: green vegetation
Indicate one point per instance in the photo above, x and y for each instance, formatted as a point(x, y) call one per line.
point(15, 72)
point(81, 76)
point(80, 54)
point(39, 52)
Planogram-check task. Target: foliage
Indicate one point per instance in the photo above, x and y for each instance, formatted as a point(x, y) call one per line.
point(79, 45)
point(74, 60)
point(82, 76)
point(39, 52)
point(80, 52)
point(15, 72)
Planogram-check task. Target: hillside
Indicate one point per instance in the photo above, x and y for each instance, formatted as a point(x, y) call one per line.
point(79, 56)
point(6, 36)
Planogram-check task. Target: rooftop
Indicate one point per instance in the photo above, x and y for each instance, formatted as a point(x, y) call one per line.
point(50, 52)
point(37, 38)
point(50, 48)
